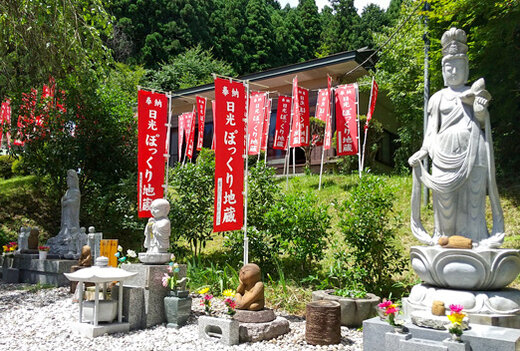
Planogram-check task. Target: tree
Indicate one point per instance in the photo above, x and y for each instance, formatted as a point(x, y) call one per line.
point(192, 68)
point(311, 27)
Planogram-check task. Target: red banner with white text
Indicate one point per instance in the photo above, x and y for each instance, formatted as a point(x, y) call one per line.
point(190, 117)
point(201, 113)
point(281, 132)
point(180, 134)
point(255, 122)
point(300, 127)
point(229, 152)
point(267, 122)
point(323, 114)
point(346, 120)
point(372, 104)
point(152, 111)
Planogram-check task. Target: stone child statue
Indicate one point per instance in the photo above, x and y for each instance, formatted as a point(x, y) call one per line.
point(458, 141)
point(250, 291)
point(157, 231)
point(23, 239)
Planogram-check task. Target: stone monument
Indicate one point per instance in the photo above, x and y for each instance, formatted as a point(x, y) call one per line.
point(64, 244)
point(462, 263)
point(94, 241)
point(23, 239)
point(157, 234)
point(32, 241)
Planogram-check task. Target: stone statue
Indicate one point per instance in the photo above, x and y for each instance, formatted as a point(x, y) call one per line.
point(34, 238)
point(70, 204)
point(250, 291)
point(157, 234)
point(458, 141)
point(85, 259)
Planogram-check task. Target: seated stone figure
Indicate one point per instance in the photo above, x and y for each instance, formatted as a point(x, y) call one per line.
point(85, 259)
point(250, 291)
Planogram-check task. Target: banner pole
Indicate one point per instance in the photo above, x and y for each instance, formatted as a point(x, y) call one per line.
point(288, 153)
point(294, 161)
point(357, 119)
point(246, 239)
point(167, 155)
point(366, 124)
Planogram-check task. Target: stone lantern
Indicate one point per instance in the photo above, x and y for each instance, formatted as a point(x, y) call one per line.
point(97, 317)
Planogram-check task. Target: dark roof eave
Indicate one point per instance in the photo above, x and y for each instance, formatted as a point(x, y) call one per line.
point(358, 56)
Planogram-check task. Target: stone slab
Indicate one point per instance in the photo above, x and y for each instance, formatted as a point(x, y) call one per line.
point(428, 320)
point(90, 331)
point(223, 330)
point(456, 346)
point(263, 316)
point(11, 275)
point(479, 337)
point(392, 340)
point(253, 332)
point(33, 270)
point(134, 311)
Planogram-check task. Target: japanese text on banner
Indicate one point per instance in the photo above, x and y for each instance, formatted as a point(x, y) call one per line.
point(255, 122)
point(301, 122)
point(191, 134)
point(323, 113)
point(230, 113)
point(201, 113)
point(152, 110)
point(267, 120)
point(281, 132)
point(346, 120)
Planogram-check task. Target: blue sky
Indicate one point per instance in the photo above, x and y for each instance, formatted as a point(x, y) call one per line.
point(359, 4)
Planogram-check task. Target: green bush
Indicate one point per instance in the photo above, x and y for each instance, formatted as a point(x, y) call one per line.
point(191, 196)
point(6, 163)
point(369, 229)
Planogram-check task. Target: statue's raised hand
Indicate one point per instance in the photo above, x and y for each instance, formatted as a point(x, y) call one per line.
point(416, 158)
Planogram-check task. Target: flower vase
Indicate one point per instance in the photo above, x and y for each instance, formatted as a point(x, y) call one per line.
point(42, 255)
point(455, 337)
point(177, 308)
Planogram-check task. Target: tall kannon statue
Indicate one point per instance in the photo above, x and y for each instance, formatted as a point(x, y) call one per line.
point(458, 141)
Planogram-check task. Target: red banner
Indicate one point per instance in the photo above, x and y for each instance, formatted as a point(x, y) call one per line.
point(214, 124)
point(346, 120)
point(5, 120)
point(201, 112)
point(281, 132)
point(229, 162)
point(180, 134)
point(300, 126)
point(190, 129)
point(152, 111)
point(255, 122)
point(267, 122)
point(372, 103)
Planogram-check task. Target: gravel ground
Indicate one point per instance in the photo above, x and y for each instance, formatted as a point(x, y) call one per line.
point(40, 321)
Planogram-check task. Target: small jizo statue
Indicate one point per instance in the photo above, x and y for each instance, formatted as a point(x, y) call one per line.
point(250, 291)
point(85, 259)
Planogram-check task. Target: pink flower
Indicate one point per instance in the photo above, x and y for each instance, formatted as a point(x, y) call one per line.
point(385, 304)
point(165, 279)
point(456, 308)
point(391, 310)
point(232, 304)
point(208, 297)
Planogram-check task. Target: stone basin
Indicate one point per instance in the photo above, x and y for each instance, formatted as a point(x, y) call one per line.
point(469, 269)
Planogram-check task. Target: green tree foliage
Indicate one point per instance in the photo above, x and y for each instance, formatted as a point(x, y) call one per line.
point(191, 68)
point(345, 28)
point(191, 201)
point(311, 27)
point(368, 226)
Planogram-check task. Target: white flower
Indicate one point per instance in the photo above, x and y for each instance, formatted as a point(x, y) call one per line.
point(119, 248)
point(172, 258)
point(131, 253)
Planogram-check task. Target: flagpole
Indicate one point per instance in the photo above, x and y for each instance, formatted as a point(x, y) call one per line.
point(246, 239)
point(288, 153)
point(167, 155)
point(366, 126)
point(357, 119)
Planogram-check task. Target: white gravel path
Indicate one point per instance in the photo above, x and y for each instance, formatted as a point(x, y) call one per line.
point(40, 321)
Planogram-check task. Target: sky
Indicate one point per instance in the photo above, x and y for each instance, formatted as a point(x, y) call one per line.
point(359, 4)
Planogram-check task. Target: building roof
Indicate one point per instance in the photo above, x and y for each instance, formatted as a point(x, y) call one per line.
point(312, 74)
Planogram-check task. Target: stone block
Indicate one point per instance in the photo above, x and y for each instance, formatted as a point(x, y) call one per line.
point(33, 270)
point(223, 330)
point(253, 332)
point(262, 316)
point(12, 275)
point(479, 337)
point(91, 331)
point(456, 346)
point(392, 340)
point(177, 310)
point(134, 311)
point(414, 344)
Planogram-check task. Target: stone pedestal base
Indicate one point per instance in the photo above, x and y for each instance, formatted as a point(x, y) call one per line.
point(496, 308)
point(262, 316)
point(154, 258)
point(478, 338)
point(90, 331)
point(143, 294)
point(30, 269)
point(252, 332)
